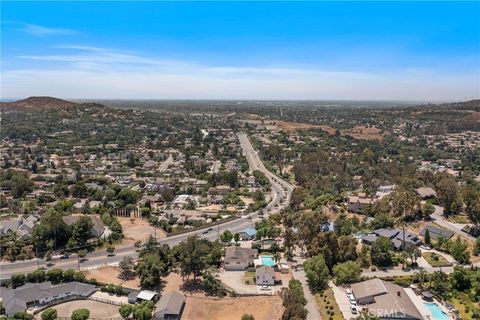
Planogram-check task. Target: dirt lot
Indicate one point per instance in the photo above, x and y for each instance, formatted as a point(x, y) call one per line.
point(364, 133)
point(110, 275)
point(261, 307)
point(139, 230)
point(97, 309)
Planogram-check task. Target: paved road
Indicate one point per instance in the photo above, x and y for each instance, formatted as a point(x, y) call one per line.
point(299, 274)
point(281, 191)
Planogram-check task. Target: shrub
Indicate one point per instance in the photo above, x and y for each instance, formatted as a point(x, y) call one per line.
point(49, 314)
point(80, 314)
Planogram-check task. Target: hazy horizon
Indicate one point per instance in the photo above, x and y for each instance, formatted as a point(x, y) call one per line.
point(414, 51)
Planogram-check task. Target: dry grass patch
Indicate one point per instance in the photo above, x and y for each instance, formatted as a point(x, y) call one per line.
point(98, 310)
point(329, 309)
point(110, 275)
point(138, 230)
point(261, 307)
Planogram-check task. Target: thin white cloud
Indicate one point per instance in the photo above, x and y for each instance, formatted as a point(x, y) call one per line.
point(93, 72)
point(39, 31)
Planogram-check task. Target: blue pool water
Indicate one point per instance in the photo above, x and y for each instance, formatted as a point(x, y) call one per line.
point(437, 313)
point(267, 261)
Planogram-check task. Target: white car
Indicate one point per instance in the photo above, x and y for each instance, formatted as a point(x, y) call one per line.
point(265, 288)
point(348, 291)
point(425, 247)
point(353, 309)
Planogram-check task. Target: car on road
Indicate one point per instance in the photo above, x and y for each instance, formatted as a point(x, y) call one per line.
point(64, 256)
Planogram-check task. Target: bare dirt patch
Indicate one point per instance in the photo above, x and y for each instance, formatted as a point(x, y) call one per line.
point(110, 275)
point(97, 309)
point(261, 307)
point(364, 133)
point(139, 230)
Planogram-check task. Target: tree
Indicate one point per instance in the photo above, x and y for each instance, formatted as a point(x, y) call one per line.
point(364, 257)
point(82, 254)
point(476, 247)
point(22, 315)
point(294, 305)
point(125, 310)
point(212, 284)
point(427, 237)
point(143, 311)
point(471, 199)
point(347, 248)
point(55, 275)
point(248, 317)
point(447, 192)
point(317, 273)
point(325, 244)
point(150, 269)
point(17, 280)
point(298, 197)
point(127, 266)
point(381, 252)
point(193, 255)
point(49, 314)
point(236, 237)
point(80, 314)
point(81, 230)
point(226, 236)
point(458, 249)
point(346, 272)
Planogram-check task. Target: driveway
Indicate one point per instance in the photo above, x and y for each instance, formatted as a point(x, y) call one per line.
point(342, 300)
point(312, 308)
point(236, 281)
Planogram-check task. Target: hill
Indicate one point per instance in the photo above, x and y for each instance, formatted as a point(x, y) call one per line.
point(37, 103)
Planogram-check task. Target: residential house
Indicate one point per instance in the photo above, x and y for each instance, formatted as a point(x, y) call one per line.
point(397, 238)
point(170, 306)
point(265, 275)
point(98, 230)
point(426, 192)
point(436, 232)
point(248, 234)
point(385, 300)
point(237, 258)
point(41, 294)
point(358, 202)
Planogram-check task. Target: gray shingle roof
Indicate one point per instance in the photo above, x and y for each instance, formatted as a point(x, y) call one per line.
point(170, 303)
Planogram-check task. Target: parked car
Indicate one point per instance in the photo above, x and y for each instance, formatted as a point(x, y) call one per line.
point(353, 309)
point(348, 291)
point(425, 247)
point(265, 288)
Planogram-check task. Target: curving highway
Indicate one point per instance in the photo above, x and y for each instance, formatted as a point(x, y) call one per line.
point(281, 194)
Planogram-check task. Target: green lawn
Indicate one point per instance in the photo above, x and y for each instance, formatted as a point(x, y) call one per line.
point(435, 260)
point(328, 306)
point(249, 277)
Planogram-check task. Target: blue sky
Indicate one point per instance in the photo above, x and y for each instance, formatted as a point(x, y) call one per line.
point(249, 50)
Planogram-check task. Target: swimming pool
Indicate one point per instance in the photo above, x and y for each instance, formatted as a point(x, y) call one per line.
point(436, 311)
point(267, 261)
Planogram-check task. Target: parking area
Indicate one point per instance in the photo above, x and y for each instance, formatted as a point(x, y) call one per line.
point(236, 281)
point(342, 300)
